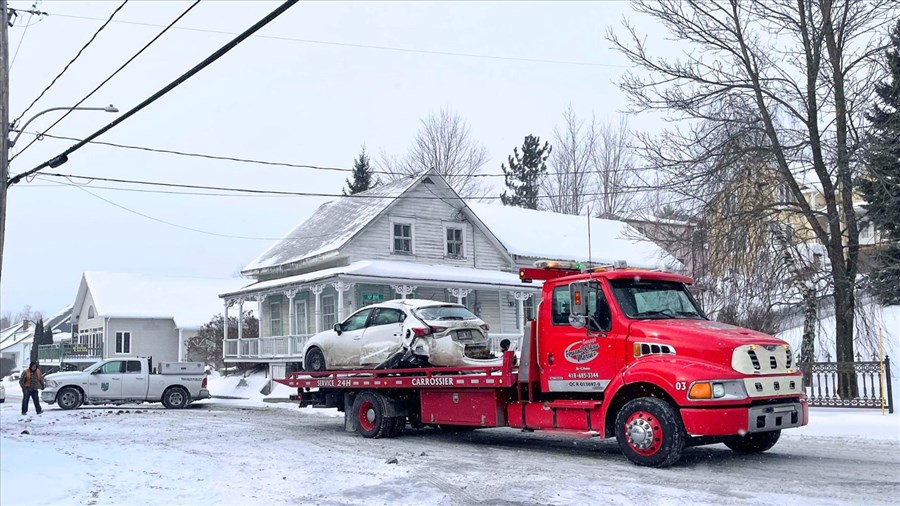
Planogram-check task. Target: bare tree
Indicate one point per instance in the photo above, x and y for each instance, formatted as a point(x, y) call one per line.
point(568, 187)
point(803, 71)
point(613, 165)
point(444, 143)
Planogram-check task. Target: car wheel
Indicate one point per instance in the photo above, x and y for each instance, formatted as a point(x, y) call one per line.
point(369, 412)
point(175, 398)
point(649, 432)
point(315, 361)
point(753, 443)
point(69, 398)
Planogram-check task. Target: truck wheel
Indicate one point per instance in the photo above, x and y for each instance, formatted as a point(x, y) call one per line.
point(371, 422)
point(649, 432)
point(175, 398)
point(69, 398)
point(315, 361)
point(753, 443)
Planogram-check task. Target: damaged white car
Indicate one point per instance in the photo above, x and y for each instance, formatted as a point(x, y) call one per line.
point(402, 333)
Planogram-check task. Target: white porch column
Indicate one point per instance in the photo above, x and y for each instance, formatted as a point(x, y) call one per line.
point(341, 287)
point(500, 303)
point(240, 303)
point(521, 297)
point(260, 300)
point(317, 291)
point(404, 290)
point(225, 329)
point(459, 293)
point(292, 326)
point(180, 345)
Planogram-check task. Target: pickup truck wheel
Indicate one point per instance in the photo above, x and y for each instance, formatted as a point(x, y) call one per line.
point(753, 443)
point(175, 398)
point(369, 411)
point(69, 398)
point(649, 432)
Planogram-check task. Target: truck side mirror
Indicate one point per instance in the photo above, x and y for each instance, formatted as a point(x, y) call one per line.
point(578, 293)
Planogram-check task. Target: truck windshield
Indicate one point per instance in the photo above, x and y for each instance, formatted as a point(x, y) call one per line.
point(651, 299)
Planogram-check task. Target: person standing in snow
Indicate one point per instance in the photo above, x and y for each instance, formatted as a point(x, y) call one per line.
point(31, 381)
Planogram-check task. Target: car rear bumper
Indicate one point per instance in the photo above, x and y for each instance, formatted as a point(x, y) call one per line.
point(204, 394)
point(730, 421)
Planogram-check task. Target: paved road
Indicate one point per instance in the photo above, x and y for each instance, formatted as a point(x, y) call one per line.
point(221, 452)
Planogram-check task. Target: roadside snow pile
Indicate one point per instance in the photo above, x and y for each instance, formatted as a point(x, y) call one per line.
point(248, 387)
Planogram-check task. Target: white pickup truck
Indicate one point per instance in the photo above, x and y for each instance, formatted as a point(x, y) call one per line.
point(125, 381)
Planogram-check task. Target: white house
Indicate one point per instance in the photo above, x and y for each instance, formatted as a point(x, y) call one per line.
point(413, 237)
point(17, 340)
point(135, 315)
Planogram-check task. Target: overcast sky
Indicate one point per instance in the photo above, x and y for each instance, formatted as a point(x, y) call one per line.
point(272, 99)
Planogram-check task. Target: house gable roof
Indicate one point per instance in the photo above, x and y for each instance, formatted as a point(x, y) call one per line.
point(190, 302)
point(331, 226)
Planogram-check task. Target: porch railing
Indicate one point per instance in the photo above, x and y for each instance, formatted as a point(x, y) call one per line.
point(291, 347)
point(69, 352)
point(821, 380)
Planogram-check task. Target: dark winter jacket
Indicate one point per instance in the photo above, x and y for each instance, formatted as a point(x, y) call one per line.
point(26, 381)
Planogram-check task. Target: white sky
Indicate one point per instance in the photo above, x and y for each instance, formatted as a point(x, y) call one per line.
point(276, 100)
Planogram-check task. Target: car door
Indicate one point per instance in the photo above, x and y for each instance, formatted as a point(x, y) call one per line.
point(134, 380)
point(106, 382)
point(345, 347)
point(383, 336)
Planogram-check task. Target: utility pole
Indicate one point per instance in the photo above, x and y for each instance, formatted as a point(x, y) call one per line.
point(4, 122)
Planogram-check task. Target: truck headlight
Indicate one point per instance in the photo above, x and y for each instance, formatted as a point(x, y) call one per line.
point(717, 390)
point(52, 383)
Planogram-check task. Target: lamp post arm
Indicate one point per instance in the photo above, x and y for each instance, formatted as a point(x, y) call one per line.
point(22, 130)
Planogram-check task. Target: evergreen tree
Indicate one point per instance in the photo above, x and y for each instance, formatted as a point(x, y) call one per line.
point(48, 336)
point(881, 184)
point(363, 178)
point(36, 340)
point(523, 176)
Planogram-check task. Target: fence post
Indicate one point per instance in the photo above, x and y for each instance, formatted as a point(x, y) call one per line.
point(887, 377)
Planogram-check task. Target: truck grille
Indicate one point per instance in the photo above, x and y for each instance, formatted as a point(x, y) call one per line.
point(757, 359)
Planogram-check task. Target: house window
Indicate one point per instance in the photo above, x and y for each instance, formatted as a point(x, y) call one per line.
point(300, 317)
point(123, 342)
point(403, 239)
point(328, 313)
point(275, 319)
point(454, 236)
point(91, 312)
point(528, 306)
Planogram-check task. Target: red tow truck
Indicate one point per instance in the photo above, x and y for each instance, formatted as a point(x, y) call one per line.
point(614, 352)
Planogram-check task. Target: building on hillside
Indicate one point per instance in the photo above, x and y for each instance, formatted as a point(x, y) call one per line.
point(413, 238)
point(117, 315)
point(17, 340)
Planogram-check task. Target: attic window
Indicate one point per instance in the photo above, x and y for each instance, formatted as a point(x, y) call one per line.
point(402, 238)
point(91, 312)
point(428, 180)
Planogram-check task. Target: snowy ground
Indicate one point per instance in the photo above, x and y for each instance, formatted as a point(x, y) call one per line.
point(246, 451)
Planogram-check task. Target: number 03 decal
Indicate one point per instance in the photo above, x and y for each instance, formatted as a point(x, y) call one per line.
point(680, 385)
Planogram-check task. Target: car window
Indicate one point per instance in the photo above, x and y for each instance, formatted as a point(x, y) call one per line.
point(387, 316)
point(445, 313)
point(114, 367)
point(133, 367)
point(357, 321)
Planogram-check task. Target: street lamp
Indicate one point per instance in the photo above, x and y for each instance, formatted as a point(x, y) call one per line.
point(109, 108)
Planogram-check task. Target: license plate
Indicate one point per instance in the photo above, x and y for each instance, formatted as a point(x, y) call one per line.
point(464, 334)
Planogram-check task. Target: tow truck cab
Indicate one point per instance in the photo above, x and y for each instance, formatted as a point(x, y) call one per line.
point(636, 339)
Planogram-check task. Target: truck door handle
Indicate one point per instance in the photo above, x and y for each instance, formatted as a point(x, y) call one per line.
point(117, 379)
point(550, 359)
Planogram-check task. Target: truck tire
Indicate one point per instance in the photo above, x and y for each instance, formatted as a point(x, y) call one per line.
point(753, 443)
point(369, 412)
point(315, 361)
point(175, 398)
point(650, 432)
point(69, 398)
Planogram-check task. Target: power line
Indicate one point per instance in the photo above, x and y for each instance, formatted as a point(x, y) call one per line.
point(63, 157)
point(31, 13)
point(380, 48)
point(89, 95)
point(63, 71)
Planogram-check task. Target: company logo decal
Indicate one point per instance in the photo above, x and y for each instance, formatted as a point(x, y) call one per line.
point(104, 386)
point(582, 352)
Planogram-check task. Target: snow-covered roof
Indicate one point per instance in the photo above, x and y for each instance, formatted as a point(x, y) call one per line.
point(398, 272)
point(331, 225)
point(191, 302)
point(544, 234)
